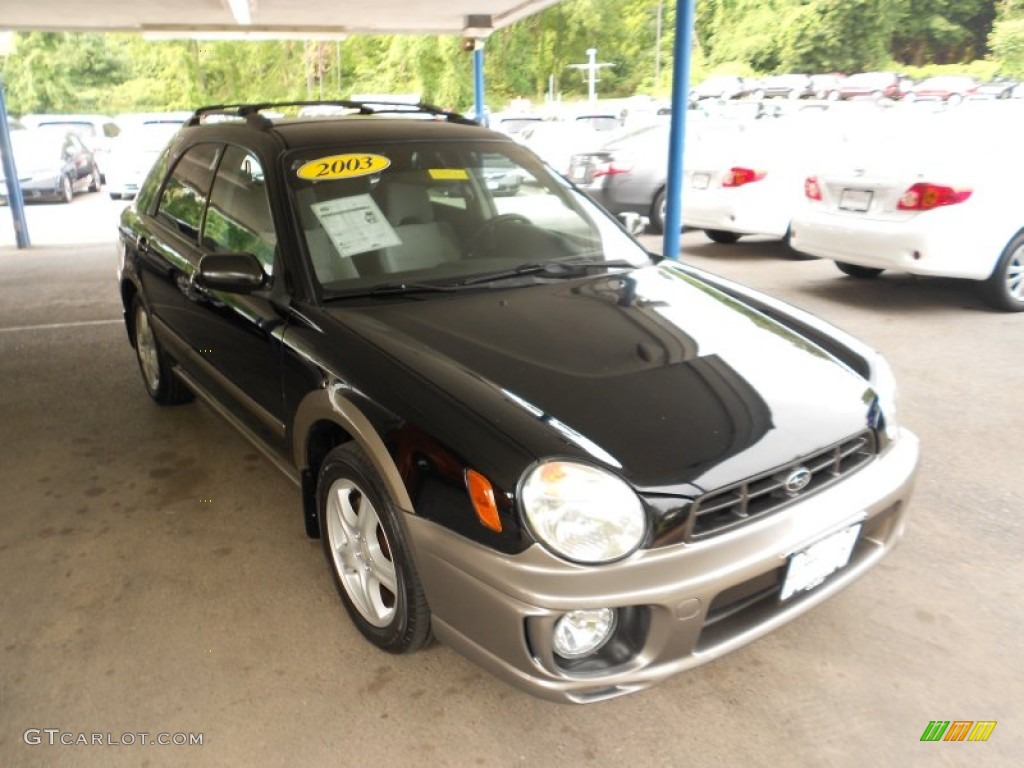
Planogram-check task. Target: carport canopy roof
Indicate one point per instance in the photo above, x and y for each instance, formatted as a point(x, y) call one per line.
point(256, 19)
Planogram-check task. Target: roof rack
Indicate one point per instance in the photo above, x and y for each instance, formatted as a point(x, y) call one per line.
point(251, 112)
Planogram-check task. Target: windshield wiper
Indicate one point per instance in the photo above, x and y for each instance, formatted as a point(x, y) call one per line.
point(550, 269)
point(395, 289)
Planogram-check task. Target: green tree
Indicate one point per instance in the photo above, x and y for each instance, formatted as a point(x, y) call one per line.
point(1007, 37)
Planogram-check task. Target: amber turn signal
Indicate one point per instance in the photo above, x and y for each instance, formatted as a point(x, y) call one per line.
point(482, 494)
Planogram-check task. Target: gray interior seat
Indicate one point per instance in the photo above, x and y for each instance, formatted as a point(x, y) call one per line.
point(425, 242)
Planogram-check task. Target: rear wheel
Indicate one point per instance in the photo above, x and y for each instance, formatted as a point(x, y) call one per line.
point(368, 555)
point(658, 213)
point(1005, 288)
point(721, 236)
point(855, 270)
point(163, 386)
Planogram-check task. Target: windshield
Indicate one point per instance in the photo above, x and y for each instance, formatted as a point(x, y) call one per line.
point(441, 213)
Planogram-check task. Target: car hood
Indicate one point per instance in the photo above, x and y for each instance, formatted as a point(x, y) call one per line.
point(652, 373)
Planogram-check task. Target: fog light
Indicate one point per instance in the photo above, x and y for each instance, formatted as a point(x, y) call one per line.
point(579, 633)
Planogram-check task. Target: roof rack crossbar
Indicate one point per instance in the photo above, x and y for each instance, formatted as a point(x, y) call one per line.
point(368, 107)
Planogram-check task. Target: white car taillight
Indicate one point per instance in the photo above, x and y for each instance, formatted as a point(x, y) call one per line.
point(812, 189)
point(923, 196)
point(737, 177)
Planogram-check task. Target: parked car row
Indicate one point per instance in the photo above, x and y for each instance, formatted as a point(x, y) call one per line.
point(929, 191)
point(863, 85)
point(96, 150)
point(52, 165)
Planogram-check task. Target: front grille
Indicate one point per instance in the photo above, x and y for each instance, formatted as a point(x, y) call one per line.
point(761, 495)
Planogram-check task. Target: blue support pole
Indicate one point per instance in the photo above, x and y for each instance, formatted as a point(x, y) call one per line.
point(677, 140)
point(14, 198)
point(478, 82)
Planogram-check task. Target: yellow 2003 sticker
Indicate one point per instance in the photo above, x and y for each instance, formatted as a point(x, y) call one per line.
point(342, 166)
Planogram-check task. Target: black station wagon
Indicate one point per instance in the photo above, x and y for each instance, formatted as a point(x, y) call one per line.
point(585, 467)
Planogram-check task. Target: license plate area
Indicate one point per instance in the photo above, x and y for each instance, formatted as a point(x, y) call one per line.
point(858, 200)
point(700, 180)
point(812, 565)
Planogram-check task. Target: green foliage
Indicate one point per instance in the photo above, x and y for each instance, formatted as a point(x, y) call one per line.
point(60, 72)
point(942, 31)
point(1007, 42)
point(838, 36)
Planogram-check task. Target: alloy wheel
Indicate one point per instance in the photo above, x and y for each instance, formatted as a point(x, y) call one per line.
point(361, 553)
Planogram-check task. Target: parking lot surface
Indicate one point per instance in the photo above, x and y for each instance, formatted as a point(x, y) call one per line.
point(155, 577)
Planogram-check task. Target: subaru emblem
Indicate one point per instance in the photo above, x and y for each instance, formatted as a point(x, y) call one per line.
point(797, 480)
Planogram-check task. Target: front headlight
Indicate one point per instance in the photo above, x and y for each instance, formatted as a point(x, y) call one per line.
point(582, 513)
point(884, 383)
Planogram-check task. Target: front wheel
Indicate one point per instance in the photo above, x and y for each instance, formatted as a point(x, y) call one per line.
point(855, 270)
point(67, 192)
point(162, 385)
point(1004, 289)
point(721, 236)
point(370, 560)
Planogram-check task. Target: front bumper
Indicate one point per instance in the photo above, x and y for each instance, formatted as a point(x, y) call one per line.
point(688, 603)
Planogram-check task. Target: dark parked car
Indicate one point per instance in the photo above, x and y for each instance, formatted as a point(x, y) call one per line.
point(723, 87)
point(95, 131)
point(785, 87)
point(582, 466)
point(51, 165)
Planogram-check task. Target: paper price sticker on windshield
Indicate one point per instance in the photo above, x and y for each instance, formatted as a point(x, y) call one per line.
point(355, 225)
point(342, 167)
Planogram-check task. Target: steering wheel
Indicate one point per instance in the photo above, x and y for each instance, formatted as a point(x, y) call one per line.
point(487, 228)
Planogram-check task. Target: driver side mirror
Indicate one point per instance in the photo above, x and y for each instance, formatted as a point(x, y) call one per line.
point(231, 272)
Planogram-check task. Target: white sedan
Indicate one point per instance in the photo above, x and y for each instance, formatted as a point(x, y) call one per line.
point(941, 198)
point(750, 181)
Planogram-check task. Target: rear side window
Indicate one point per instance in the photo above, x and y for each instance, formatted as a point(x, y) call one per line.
point(238, 218)
point(183, 199)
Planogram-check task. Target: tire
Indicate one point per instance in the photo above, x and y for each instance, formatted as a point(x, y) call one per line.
point(1004, 289)
point(115, 195)
point(861, 273)
point(368, 555)
point(67, 192)
point(94, 180)
point(758, 95)
point(657, 218)
point(721, 236)
point(954, 99)
point(162, 385)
